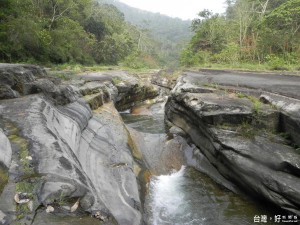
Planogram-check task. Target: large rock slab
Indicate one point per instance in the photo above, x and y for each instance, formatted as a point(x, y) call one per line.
point(128, 89)
point(239, 140)
point(14, 77)
point(80, 156)
point(63, 153)
point(105, 155)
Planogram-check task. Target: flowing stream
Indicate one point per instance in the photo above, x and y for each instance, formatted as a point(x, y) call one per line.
point(188, 197)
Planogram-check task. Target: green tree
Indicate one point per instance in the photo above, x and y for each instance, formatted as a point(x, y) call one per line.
point(210, 32)
point(281, 28)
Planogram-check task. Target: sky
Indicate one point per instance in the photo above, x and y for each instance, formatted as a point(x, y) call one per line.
point(184, 9)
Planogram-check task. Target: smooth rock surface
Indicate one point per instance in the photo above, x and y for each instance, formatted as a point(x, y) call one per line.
point(63, 151)
point(5, 149)
point(234, 138)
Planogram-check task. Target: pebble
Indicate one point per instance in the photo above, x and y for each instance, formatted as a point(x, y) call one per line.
point(49, 209)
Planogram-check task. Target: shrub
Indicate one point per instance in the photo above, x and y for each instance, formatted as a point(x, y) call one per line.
point(275, 62)
point(229, 55)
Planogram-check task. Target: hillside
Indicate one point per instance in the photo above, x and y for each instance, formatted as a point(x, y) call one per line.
point(170, 33)
point(162, 26)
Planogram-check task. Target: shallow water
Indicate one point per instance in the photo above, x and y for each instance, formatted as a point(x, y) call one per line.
point(188, 197)
point(152, 124)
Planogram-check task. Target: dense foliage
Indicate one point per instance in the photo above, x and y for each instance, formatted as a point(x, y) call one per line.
point(162, 34)
point(251, 31)
point(66, 31)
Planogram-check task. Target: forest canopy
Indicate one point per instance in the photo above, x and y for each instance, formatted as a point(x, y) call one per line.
point(251, 31)
point(97, 32)
point(67, 31)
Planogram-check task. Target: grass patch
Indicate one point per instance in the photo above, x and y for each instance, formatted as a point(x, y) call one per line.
point(256, 104)
point(25, 187)
point(74, 67)
point(98, 68)
point(3, 179)
point(22, 210)
point(256, 107)
point(262, 67)
point(61, 200)
point(246, 130)
point(24, 153)
point(286, 135)
point(211, 85)
point(117, 80)
point(240, 95)
point(22, 143)
point(170, 73)
point(62, 76)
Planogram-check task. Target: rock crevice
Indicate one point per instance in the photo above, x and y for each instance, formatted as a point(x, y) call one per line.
point(240, 138)
point(67, 140)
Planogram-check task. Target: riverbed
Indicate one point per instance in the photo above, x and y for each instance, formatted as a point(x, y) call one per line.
point(185, 196)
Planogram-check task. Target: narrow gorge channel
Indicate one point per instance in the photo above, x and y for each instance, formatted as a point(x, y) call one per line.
point(115, 147)
point(181, 195)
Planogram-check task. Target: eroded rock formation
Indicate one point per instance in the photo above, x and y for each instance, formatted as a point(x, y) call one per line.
point(65, 151)
point(58, 152)
point(240, 137)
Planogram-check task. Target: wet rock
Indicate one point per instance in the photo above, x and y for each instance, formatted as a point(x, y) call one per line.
point(66, 207)
point(177, 131)
point(159, 153)
point(195, 158)
point(232, 137)
point(141, 110)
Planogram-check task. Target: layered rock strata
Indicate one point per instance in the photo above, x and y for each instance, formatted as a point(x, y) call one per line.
point(240, 137)
point(59, 155)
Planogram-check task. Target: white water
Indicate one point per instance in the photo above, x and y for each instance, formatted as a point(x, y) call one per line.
point(168, 201)
point(187, 197)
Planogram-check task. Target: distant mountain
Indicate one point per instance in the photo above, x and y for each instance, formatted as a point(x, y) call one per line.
point(163, 27)
point(170, 33)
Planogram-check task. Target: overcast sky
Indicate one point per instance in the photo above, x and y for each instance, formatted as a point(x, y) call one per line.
point(185, 9)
